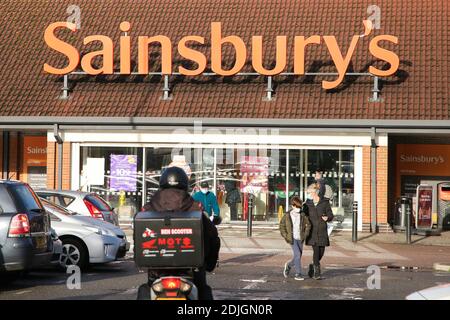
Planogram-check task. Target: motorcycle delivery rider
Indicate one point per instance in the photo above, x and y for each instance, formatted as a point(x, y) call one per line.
point(173, 196)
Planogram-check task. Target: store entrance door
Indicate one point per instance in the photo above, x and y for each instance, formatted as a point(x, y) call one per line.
point(337, 167)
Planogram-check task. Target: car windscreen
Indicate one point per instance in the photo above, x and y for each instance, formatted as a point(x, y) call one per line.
point(25, 197)
point(53, 208)
point(98, 202)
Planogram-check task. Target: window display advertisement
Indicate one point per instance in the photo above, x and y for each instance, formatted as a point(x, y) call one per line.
point(255, 171)
point(123, 172)
point(424, 205)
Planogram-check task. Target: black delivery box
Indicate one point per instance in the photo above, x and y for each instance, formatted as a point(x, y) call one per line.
point(168, 239)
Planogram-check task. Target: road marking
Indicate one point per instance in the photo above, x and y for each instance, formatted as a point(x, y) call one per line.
point(130, 291)
point(23, 292)
point(348, 293)
point(254, 283)
point(254, 280)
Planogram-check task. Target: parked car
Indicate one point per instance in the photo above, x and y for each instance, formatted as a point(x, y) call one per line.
point(85, 240)
point(84, 203)
point(25, 231)
point(441, 292)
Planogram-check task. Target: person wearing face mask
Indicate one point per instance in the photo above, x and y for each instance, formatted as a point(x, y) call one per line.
point(319, 212)
point(208, 201)
point(294, 228)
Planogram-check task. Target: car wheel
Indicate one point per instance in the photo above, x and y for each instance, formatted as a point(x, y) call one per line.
point(73, 253)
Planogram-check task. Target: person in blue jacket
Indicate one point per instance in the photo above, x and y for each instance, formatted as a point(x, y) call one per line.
point(208, 200)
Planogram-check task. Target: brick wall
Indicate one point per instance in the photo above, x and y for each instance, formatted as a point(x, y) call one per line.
point(382, 189)
point(52, 165)
point(14, 161)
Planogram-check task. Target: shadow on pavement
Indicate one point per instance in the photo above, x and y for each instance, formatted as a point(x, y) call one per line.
point(248, 258)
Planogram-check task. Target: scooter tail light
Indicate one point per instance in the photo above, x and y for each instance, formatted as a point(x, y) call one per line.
point(171, 283)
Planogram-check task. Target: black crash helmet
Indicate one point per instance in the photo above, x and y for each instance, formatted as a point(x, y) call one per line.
point(174, 177)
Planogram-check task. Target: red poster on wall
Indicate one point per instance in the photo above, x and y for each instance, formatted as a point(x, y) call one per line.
point(424, 204)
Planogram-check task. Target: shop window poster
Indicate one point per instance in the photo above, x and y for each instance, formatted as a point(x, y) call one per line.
point(123, 172)
point(424, 202)
point(254, 174)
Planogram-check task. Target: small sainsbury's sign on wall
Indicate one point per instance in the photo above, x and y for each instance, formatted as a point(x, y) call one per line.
point(341, 60)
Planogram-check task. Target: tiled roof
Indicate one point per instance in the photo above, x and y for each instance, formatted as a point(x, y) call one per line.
point(420, 90)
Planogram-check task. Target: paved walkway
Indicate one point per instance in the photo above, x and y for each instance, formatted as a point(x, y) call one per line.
point(388, 250)
point(266, 247)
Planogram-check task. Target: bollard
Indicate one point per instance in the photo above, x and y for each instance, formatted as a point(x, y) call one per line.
point(408, 223)
point(355, 222)
point(249, 215)
point(406, 212)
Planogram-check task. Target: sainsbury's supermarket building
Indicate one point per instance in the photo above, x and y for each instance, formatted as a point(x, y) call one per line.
point(374, 138)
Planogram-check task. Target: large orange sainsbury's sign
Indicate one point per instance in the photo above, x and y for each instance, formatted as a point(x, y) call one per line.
point(340, 60)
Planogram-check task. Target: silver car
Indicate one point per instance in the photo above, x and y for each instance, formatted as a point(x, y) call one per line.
point(85, 240)
point(84, 203)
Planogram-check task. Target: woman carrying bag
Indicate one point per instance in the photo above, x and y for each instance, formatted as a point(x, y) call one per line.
point(294, 228)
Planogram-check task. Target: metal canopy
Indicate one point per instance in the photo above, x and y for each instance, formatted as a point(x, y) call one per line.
point(397, 126)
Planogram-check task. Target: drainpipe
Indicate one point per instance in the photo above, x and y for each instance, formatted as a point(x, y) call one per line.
point(59, 141)
point(373, 180)
point(5, 153)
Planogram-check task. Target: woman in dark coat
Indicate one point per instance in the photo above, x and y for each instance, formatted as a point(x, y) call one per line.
point(319, 213)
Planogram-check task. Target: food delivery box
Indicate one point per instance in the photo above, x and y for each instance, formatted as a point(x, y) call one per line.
point(168, 239)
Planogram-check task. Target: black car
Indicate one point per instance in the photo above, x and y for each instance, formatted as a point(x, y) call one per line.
point(25, 232)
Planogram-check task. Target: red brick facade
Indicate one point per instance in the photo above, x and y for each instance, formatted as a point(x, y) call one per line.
point(52, 165)
point(382, 189)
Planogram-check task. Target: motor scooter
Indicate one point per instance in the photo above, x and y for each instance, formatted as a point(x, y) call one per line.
point(170, 285)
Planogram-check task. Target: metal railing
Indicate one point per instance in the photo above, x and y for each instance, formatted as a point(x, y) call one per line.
point(269, 89)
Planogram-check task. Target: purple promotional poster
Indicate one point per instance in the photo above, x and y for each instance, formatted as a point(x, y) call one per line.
point(123, 172)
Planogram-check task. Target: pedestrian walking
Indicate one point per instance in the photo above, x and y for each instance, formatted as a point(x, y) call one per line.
point(294, 228)
point(318, 177)
point(208, 201)
point(318, 209)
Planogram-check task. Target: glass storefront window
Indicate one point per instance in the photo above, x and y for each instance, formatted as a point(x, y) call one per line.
point(115, 174)
point(272, 175)
point(241, 172)
point(198, 164)
point(228, 186)
point(338, 169)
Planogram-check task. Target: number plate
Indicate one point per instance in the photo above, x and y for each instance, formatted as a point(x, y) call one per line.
point(41, 242)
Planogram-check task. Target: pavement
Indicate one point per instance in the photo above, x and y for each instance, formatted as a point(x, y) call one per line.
point(387, 250)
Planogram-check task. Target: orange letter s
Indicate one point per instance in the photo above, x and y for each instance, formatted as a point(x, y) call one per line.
point(56, 44)
point(385, 55)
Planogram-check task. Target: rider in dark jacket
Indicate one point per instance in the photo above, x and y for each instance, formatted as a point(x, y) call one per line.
point(173, 196)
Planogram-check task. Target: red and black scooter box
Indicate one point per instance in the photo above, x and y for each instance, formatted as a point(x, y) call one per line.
point(168, 239)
